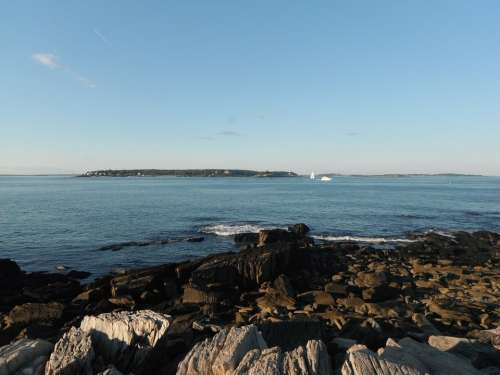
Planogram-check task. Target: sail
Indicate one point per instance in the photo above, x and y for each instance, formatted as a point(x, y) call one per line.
point(312, 175)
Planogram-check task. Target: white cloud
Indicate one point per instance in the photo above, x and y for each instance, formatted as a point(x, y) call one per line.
point(102, 37)
point(47, 59)
point(229, 133)
point(52, 61)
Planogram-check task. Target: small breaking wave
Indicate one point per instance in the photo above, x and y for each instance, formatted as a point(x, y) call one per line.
point(374, 240)
point(439, 233)
point(232, 229)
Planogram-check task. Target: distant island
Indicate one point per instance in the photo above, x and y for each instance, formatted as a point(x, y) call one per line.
point(186, 173)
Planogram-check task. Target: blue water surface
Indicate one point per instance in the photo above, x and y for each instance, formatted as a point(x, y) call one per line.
point(62, 220)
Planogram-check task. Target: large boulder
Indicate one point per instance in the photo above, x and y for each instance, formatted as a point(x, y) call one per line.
point(300, 230)
point(244, 351)
point(24, 356)
point(248, 268)
point(73, 354)
point(126, 339)
point(407, 357)
point(273, 236)
point(28, 313)
point(11, 276)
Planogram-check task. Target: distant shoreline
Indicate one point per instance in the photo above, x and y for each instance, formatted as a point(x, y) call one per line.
point(246, 173)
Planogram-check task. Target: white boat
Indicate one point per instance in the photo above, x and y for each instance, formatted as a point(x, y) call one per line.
point(312, 177)
point(326, 178)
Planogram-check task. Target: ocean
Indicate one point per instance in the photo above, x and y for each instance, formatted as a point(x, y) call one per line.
point(52, 221)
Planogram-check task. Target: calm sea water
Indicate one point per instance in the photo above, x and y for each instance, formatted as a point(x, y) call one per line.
point(50, 221)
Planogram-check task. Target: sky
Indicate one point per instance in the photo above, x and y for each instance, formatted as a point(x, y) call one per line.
point(332, 86)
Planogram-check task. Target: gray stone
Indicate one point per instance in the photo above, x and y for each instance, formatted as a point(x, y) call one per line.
point(72, 355)
point(24, 356)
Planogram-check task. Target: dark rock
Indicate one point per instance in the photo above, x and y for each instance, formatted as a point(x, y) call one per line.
point(195, 239)
point(317, 297)
point(28, 313)
point(300, 230)
point(78, 274)
point(283, 285)
point(11, 276)
point(380, 293)
point(274, 236)
point(370, 279)
point(336, 289)
point(91, 295)
point(246, 238)
point(291, 334)
point(248, 268)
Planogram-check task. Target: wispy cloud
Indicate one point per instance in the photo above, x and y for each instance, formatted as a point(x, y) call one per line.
point(102, 37)
point(229, 133)
point(47, 59)
point(352, 134)
point(51, 61)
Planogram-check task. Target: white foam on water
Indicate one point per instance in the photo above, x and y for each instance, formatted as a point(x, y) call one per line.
point(232, 229)
point(376, 240)
point(440, 233)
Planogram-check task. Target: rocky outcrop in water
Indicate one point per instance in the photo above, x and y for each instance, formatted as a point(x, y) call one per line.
point(282, 303)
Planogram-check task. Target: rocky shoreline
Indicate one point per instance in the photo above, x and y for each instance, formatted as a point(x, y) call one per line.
point(281, 305)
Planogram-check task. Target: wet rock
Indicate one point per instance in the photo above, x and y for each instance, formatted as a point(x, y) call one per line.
point(73, 274)
point(300, 230)
point(73, 354)
point(24, 357)
point(126, 339)
point(28, 313)
point(274, 236)
point(246, 238)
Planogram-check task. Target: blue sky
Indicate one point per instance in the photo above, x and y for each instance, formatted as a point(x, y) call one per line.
point(331, 86)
